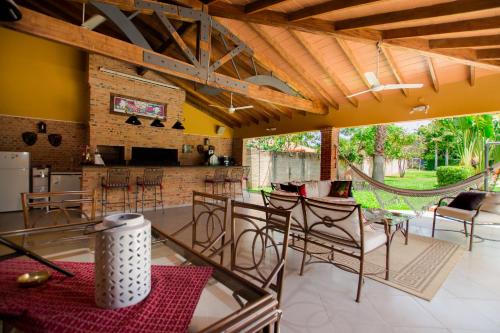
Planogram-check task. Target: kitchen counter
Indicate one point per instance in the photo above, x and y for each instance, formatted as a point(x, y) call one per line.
point(179, 182)
point(157, 166)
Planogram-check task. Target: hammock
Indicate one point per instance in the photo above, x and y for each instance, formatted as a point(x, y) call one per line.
point(418, 200)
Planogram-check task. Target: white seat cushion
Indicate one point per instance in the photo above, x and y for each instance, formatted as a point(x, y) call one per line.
point(467, 215)
point(347, 201)
point(374, 238)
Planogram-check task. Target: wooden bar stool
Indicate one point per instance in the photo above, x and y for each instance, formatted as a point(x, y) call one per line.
point(219, 178)
point(152, 179)
point(116, 179)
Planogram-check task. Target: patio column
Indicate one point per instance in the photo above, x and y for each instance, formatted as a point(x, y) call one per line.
point(329, 144)
point(238, 151)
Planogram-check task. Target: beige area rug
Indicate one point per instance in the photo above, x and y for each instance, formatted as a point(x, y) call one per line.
point(419, 268)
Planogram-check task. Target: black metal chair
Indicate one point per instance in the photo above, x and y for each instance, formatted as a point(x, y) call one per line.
point(152, 179)
point(218, 179)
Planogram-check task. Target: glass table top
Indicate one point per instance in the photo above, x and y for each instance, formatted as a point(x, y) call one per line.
point(377, 215)
point(217, 304)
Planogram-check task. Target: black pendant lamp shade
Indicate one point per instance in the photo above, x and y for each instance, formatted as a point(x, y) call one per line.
point(157, 123)
point(133, 120)
point(9, 11)
point(178, 125)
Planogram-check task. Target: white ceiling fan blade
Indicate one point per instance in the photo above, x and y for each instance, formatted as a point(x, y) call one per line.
point(243, 107)
point(402, 86)
point(359, 93)
point(372, 79)
point(218, 106)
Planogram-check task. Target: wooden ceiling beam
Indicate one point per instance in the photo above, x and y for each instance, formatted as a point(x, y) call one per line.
point(477, 41)
point(354, 62)
point(259, 5)
point(324, 8)
point(291, 62)
point(47, 27)
point(488, 54)
point(321, 63)
point(433, 74)
point(487, 23)
point(394, 69)
point(444, 9)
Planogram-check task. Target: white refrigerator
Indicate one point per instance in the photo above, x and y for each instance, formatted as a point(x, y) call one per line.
point(14, 179)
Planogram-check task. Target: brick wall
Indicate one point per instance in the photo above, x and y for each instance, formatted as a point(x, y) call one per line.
point(107, 128)
point(66, 157)
point(329, 150)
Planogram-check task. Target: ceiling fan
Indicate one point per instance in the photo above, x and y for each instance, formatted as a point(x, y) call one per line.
point(376, 86)
point(232, 108)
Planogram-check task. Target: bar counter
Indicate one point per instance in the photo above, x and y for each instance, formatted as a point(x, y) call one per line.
point(178, 184)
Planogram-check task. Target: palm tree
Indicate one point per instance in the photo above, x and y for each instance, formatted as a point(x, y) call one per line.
point(379, 156)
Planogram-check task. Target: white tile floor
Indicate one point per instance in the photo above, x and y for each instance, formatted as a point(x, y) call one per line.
point(323, 299)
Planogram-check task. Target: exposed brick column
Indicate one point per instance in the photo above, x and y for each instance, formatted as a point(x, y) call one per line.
point(329, 144)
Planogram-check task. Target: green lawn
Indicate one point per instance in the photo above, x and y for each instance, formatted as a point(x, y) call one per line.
point(414, 180)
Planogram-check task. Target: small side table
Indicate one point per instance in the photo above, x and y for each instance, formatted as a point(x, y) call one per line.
point(396, 221)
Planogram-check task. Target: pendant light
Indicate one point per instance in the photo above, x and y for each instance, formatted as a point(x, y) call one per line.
point(157, 123)
point(178, 124)
point(9, 11)
point(133, 120)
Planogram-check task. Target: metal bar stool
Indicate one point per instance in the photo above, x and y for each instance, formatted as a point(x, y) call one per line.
point(219, 178)
point(152, 179)
point(116, 178)
point(235, 177)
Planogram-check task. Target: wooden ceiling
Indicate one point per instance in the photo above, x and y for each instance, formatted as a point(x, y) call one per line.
point(322, 48)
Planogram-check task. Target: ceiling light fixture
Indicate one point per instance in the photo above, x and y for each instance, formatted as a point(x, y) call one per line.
point(133, 120)
point(157, 123)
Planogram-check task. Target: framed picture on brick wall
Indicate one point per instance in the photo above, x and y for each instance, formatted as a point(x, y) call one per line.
point(138, 107)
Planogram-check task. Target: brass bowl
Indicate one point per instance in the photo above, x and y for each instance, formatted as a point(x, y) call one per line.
point(33, 279)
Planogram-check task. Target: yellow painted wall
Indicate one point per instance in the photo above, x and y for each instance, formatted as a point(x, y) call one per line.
point(455, 99)
point(197, 122)
point(41, 79)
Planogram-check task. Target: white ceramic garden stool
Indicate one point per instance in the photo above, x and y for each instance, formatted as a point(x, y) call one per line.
point(122, 260)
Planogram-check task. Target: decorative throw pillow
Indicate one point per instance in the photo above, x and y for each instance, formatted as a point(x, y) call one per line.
point(300, 188)
point(468, 200)
point(341, 189)
point(289, 188)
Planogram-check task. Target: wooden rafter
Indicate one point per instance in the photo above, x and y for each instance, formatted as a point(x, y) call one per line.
point(354, 62)
point(259, 5)
point(477, 41)
point(472, 76)
point(394, 69)
point(444, 28)
point(433, 74)
point(419, 13)
point(325, 7)
point(53, 29)
point(290, 61)
point(488, 54)
point(321, 63)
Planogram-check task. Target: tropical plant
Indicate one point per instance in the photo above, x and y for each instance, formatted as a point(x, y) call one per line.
point(286, 142)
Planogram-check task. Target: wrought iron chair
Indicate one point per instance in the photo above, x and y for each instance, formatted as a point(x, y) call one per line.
point(208, 224)
point(254, 253)
point(291, 203)
point(116, 179)
point(488, 213)
point(334, 229)
point(219, 178)
point(151, 179)
point(69, 206)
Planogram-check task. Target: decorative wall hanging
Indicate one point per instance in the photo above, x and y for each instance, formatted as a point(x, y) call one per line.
point(29, 138)
point(42, 127)
point(55, 139)
point(137, 107)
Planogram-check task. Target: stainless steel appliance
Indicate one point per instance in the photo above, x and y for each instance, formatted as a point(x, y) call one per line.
point(40, 181)
point(14, 179)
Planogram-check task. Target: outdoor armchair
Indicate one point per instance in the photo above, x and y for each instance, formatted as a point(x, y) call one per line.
point(487, 213)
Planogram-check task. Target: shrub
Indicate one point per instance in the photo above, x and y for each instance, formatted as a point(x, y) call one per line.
point(447, 175)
